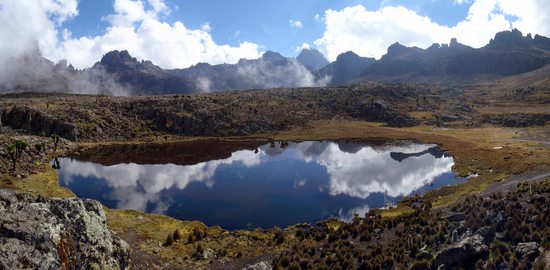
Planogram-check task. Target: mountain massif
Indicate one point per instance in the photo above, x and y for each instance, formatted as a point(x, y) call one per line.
point(508, 54)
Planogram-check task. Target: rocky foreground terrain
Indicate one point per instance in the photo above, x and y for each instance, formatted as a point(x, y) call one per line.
point(38, 233)
point(497, 231)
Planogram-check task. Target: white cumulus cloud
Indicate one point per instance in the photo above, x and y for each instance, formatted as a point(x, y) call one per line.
point(370, 32)
point(135, 25)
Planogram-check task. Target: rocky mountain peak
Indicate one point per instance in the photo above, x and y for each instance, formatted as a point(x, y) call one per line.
point(346, 68)
point(396, 49)
point(513, 38)
point(115, 60)
point(273, 57)
point(454, 43)
point(118, 56)
point(347, 56)
point(312, 59)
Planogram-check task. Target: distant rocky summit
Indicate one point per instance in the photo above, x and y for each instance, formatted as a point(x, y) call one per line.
point(56, 234)
point(312, 59)
point(347, 67)
point(141, 77)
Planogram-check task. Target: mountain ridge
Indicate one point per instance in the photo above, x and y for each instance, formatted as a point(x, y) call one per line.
point(508, 54)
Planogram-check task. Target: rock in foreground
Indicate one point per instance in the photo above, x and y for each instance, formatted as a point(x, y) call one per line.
point(56, 234)
point(469, 249)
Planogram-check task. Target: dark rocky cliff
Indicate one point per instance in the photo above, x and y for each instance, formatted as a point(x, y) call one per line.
point(37, 122)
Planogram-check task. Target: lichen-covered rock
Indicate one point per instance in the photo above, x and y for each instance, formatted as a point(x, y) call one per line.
point(263, 265)
point(468, 250)
point(528, 249)
point(56, 234)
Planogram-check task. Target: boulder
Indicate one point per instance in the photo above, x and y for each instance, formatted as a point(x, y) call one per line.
point(446, 117)
point(469, 249)
point(56, 234)
point(465, 108)
point(263, 265)
point(495, 217)
point(381, 105)
point(537, 198)
point(454, 236)
point(208, 254)
point(528, 249)
point(381, 111)
point(487, 233)
point(455, 217)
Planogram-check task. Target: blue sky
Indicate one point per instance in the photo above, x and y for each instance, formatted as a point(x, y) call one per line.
point(263, 22)
point(181, 33)
point(260, 21)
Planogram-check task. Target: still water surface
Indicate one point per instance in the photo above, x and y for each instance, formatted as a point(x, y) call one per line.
point(272, 186)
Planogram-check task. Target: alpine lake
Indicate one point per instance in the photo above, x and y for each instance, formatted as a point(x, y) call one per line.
point(256, 185)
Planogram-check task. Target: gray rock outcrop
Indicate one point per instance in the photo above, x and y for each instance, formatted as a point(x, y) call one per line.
point(447, 117)
point(34, 121)
point(528, 249)
point(469, 249)
point(56, 234)
point(381, 111)
point(263, 265)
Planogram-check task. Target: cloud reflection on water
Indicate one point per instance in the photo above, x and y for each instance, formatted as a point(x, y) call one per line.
point(353, 170)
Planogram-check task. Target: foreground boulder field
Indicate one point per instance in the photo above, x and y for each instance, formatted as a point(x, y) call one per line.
point(36, 233)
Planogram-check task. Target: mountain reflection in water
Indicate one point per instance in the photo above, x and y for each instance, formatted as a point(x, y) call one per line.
point(275, 185)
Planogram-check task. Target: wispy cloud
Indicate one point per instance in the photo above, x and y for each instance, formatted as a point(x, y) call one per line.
point(295, 24)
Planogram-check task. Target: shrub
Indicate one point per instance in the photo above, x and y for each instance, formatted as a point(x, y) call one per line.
point(199, 251)
point(169, 241)
point(420, 265)
point(279, 237)
point(176, 235)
